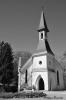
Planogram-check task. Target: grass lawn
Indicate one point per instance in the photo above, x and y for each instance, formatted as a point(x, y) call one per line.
point(50, 95)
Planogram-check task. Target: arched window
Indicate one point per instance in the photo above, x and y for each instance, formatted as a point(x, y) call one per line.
point(57, 78)
point(41, 84)
point(41, 35)
point(26, 76)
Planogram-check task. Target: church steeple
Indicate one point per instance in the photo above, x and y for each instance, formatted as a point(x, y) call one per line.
point(43, 29)
point(43, 44)
point(43, 25)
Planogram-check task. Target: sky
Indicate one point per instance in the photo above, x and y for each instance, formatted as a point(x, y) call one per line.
point(19, 21)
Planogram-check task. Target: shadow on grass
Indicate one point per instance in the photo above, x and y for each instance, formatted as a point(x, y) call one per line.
point(23, 95)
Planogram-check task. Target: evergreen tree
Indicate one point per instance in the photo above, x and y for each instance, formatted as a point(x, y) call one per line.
point(6, 63)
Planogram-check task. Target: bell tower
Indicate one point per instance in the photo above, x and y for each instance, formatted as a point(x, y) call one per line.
point(43, 44)
point(43, 29)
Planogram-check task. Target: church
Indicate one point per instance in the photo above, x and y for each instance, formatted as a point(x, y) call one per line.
point(42, 70)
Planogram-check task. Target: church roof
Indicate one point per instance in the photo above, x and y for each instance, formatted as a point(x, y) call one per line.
point(43, 25)
point(26, 65)
point(44, 46)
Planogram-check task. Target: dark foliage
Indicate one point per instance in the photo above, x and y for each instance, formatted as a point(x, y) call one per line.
point(6, 63)
point(23, 54)
point(9, 66)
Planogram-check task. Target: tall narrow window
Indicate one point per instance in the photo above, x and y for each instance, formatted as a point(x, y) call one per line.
point(57, 78)
point(26, 76)
point(41, 35)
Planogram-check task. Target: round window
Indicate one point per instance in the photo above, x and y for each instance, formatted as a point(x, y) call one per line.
point(40, 62)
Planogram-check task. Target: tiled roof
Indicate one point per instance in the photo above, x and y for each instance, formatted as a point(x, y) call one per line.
point(26, 65)
point(43, 46)
point(43, 24)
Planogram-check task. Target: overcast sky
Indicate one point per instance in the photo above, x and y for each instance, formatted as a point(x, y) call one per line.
point(19, 21)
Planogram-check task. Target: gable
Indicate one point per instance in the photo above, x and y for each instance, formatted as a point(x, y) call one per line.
point(26, 65)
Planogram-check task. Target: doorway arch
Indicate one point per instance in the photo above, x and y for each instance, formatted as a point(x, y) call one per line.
point(41, 84)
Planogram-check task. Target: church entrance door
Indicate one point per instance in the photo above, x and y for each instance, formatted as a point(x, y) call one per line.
point(41, 84)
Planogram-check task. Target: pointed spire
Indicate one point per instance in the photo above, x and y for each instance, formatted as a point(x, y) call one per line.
point(43, 25)
point(43, 44)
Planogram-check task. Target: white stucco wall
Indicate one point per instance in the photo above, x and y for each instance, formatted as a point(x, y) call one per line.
point(59, 69)
point(36, 62)
point(22, 79)
point(43, 75)
point(52, 63)
point(52, 82)
point(29, 77)
point(40, 70)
